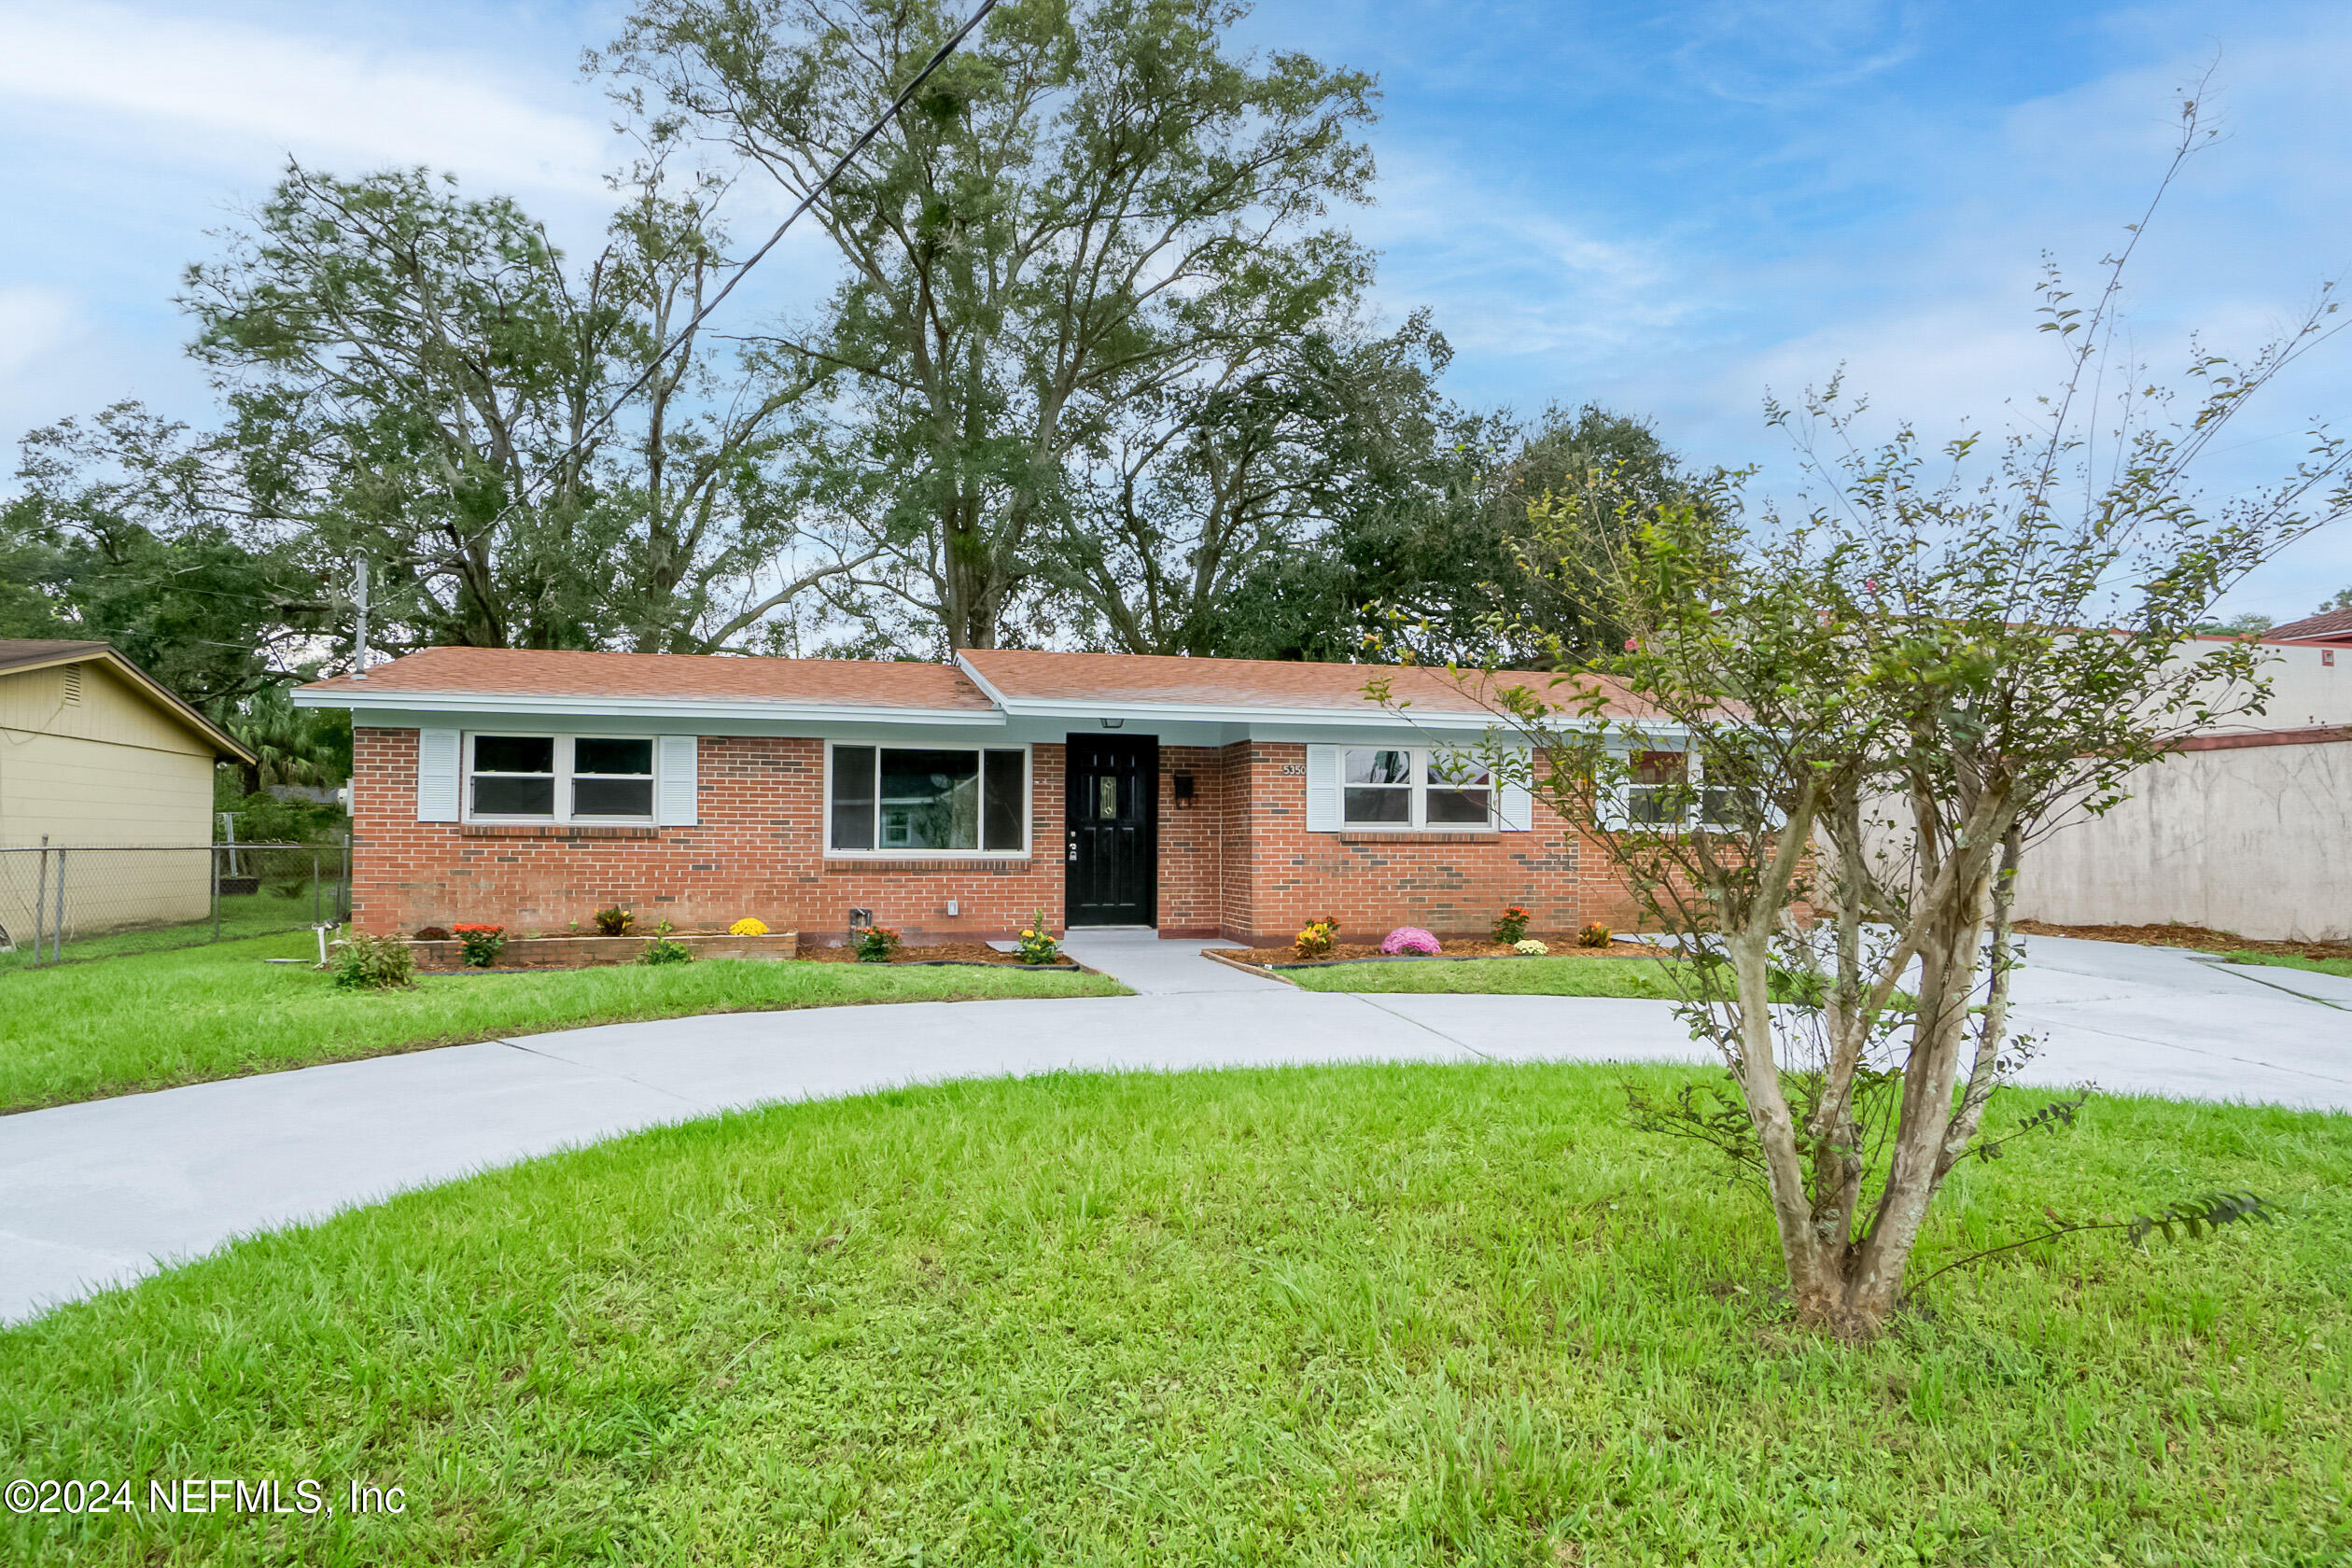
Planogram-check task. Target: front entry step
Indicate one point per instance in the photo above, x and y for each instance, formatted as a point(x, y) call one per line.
point(1138, 959)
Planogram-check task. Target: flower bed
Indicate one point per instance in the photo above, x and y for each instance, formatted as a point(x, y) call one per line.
point(942, 952)
point(1563, 945)
point(569, 951)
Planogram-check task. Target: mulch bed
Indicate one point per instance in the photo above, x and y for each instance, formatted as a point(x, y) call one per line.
point(2200, 938)
point(943, 952)
point(1563, 945)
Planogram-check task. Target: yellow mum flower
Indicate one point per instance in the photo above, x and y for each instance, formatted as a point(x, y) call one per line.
point(750, 924)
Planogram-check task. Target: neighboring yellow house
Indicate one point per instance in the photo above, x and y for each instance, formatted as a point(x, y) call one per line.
point(94, 751)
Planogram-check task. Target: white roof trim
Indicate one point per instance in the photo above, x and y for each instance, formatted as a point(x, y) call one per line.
point(1368, 713)
point(1361, 715)
point(516, 704)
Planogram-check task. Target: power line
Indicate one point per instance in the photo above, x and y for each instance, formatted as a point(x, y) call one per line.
point(596, 426)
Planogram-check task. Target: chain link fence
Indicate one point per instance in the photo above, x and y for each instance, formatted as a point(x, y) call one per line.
point(62, 903)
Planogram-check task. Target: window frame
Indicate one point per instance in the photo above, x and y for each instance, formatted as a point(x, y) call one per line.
point(979, 751)
point(1620, 807)
point(1416, 789)
point(562, 774)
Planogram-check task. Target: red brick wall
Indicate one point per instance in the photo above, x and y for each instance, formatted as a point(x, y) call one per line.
point(1452, 884)
point(1192, 843)
point(1237, 861)
point(758, 850)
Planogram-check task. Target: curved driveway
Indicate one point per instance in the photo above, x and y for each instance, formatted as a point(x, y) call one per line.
point(103, 1193)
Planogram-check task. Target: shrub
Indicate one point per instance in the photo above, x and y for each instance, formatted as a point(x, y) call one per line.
point(1037, 944)
point(750, 924)
point(1530, 946)
point(662, 950)
point(1316, 940)
point(1409, 939)
point(373, 963)
point(483, 943)
point(1594, 935)
point(613, 921)
point(432, 933)
point(1511, 925)
point(875, 943)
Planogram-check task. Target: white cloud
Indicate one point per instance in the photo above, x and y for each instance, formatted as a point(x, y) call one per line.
point(214, 91)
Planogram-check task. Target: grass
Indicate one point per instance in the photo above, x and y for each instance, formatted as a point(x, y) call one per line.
point(2289, 961)
point(241, 915)
point(1546, 976)
point(1370, 1315)
point(81, 1031)
point(1555, 976)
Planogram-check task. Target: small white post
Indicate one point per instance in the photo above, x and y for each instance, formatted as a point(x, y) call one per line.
point(359, 635)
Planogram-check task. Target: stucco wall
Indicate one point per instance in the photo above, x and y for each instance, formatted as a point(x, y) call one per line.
point(2256, 840)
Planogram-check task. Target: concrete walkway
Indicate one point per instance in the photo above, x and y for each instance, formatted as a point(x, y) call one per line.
point(103, 1193)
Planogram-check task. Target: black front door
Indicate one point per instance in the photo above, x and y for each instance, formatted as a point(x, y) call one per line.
point(1112, 843)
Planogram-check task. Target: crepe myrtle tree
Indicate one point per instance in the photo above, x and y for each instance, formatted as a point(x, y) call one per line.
point(1830, 740)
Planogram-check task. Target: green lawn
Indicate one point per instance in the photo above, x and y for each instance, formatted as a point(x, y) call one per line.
point(2287, 961)
point(241, 915)
point(82, 1031)
point(1375, 1315)
point(1560, 976)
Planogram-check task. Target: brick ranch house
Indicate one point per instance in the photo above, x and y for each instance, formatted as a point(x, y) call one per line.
point(1204, 797)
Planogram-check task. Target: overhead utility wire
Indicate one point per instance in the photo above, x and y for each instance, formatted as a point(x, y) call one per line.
point(939, 58)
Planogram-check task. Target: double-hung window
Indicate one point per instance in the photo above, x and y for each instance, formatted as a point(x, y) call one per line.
point(559, 778)
point(1414, 787)
point(1669, 789)
point(927, 799)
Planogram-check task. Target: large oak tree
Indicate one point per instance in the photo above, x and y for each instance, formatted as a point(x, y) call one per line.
point(1093, 212)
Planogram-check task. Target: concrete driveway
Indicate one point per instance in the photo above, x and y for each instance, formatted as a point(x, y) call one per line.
point(105, 1193)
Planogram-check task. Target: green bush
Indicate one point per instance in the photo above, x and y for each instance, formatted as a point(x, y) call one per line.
point(875, 943)
point(662, 950)
point(483, 943)
point(1037, 944)
point(373, 963)
point(264, 818)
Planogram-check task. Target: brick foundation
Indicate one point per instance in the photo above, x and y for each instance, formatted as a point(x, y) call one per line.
point(583, 952)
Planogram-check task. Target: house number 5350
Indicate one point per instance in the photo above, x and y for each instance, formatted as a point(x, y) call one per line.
point(1294, 770)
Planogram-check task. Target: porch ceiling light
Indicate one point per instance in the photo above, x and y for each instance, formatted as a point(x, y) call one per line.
point(1113, 724)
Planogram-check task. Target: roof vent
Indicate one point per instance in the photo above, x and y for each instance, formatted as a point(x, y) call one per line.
point(73, 685)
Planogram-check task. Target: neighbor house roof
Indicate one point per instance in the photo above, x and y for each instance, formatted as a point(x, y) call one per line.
point(618, 681)
point(2332, 625)
point(1047, 682)
point(21, 655)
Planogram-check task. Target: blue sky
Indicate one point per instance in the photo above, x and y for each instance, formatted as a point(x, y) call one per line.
point(1666, 208)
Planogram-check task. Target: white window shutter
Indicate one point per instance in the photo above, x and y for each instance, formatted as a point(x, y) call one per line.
point(678, 785)
point(1323, 788)
point(437, 753)
point(1515, 805)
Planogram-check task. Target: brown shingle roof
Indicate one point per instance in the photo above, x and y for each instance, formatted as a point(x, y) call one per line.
point(2332, 625)
point(46, 651)
point(1114, 678)
point(679, 677)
